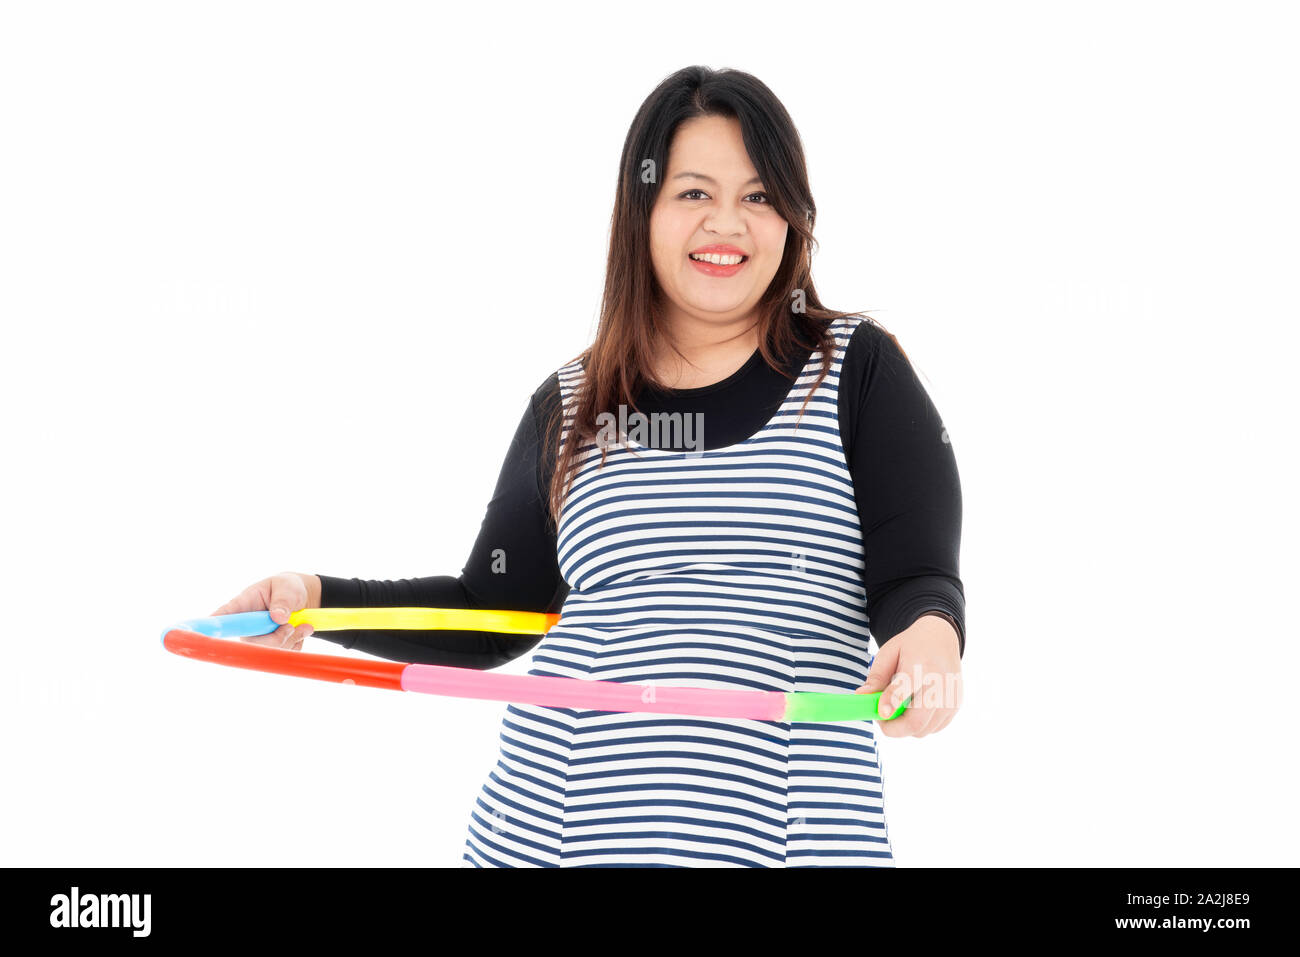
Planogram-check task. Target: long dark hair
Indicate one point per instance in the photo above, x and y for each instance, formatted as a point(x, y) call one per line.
point(619, 361)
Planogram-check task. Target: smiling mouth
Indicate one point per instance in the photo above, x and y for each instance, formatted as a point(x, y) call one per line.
point(717, 259)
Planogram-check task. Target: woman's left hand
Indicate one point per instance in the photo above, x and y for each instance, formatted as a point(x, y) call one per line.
point(924, 661)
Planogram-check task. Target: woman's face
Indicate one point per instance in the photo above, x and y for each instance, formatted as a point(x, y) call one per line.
point(711, 202)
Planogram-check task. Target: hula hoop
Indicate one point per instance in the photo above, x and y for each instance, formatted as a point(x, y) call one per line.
point(205, 639)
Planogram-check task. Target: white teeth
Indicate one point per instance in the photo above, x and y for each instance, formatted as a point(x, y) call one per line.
point(716, 259)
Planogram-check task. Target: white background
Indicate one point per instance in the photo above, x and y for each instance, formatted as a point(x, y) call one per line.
point(278, 279)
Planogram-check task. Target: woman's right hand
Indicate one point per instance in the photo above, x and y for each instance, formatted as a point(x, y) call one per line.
point(280, 594)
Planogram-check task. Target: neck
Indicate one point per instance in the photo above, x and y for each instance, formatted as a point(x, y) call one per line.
point(697, 352)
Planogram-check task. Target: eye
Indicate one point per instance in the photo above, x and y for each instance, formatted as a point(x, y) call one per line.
point(692, 195)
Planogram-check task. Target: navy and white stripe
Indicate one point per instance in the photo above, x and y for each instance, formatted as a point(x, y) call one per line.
point(739, 567)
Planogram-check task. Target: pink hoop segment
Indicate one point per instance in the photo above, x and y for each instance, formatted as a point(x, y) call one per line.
point(594, 695)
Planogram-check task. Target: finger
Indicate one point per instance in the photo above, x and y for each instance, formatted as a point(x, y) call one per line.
point(296, 636)
point(902, 726)
point(275, 639)
point(246, 600)
point(907, 725)
point(923, 713)
point(271, 641)
point(286, 596)
point(882, 669)
point(235, 606)
point(949, 714)
point(944, 719)
point(926, 720)
point(898, 691)
point(942, 699)
point(891, 729)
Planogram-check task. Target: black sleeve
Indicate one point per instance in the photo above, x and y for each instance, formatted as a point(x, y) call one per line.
point(906, 485)
point(513, 565)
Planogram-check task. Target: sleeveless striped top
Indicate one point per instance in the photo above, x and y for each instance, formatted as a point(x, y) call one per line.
point(738, 567)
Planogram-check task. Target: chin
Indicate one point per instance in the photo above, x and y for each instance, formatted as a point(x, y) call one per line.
point(718, 308)
point(714, 303)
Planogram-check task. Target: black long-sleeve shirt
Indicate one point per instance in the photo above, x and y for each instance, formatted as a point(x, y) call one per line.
point(904, 477)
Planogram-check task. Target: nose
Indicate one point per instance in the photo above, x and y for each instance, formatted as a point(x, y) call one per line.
point(725, 220)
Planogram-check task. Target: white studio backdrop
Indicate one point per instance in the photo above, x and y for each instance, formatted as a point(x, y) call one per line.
point(277, 281)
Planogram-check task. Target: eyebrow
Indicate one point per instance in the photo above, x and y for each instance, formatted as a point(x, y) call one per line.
point(710, 179)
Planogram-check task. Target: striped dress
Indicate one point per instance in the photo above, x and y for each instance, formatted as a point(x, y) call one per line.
point(738, 567)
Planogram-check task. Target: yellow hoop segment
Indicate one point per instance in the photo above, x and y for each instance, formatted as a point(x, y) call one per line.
point(426, 619)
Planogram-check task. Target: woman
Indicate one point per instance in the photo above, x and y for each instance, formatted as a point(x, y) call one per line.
point(802, 478)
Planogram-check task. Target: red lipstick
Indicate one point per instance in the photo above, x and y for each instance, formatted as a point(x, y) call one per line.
point(716, 269)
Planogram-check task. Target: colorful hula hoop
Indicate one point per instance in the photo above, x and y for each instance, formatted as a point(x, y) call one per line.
point(204, 639)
